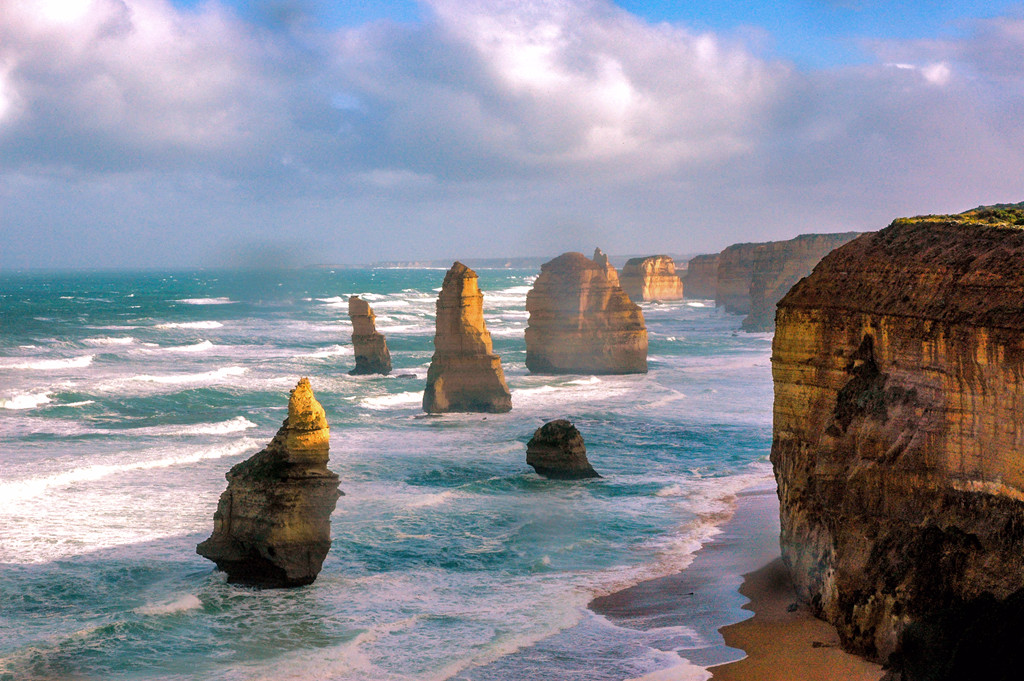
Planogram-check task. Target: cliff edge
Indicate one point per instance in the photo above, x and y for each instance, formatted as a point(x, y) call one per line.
point(898, 443)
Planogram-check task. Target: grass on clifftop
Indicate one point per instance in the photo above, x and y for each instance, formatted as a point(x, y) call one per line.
point(1000, 214)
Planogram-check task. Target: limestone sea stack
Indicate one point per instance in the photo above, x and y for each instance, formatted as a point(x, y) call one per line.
point(557, 451)
point(701, 277)
point(898, 443)
point(464, 374)
point(581, 321)
point(735, 271)
point(602, 261)
point(371, 348)
point(780, 264)
point(272, 527)
point(651, 278)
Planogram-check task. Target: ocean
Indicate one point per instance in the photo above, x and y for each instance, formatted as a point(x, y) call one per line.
point(125, 397)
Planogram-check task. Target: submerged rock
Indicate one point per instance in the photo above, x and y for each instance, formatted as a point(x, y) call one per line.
point(557, 451)
point(898, 445)
point(465, 374)
point(581, 321)
point(371, 349)
point(651, 278)
point(272, 527)
point(701, 277)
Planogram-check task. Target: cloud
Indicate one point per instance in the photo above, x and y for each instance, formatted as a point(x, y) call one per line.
point(501, 119)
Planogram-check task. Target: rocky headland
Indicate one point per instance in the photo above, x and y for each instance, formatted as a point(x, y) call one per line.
point(272, 527)
point(701, 279)
point(651, 278)
point(465, 375)
point(557, 451)
point(370, 346)
point(735, 271)
point(778, 265)
point(898, 443)
point(581, 321)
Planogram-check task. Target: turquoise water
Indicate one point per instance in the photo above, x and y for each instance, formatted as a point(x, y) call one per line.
point(124, 398)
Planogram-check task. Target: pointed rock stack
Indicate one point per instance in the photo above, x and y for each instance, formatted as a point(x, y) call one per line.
point(651, 278)
point(557, 451)
point(371, 349)
point(464, 374)
point(581, 321)
point(272, 527)
point(602, 261)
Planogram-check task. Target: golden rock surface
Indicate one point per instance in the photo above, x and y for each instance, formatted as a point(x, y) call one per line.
point(370, 346)
point(701, 277)
point(272, 526)
point(898, 442)
point(651, 278)
point(464, 375)
point(581, 321)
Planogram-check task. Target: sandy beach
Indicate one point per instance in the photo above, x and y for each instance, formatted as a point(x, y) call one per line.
point(738, 573)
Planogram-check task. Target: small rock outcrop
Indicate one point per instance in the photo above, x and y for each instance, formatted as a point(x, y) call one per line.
point(465, 374)
point(581, 321)
point(701, 277)
point(735, 271)
point(557, 451)
point(780, 264)
point(602, 261)
point(371, 349)
point(651, 278)
point(272, 527)
point(898, 443)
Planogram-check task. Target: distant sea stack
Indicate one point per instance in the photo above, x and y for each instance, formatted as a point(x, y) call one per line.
point(272, 527)
point(780, 264)
point(557, 451)
point(898, 443)
point(735, 271)
point(464, 374)
point(371, 349)
point(582, 322)
point(602, 261)
point(701, 278)
point(651, 278)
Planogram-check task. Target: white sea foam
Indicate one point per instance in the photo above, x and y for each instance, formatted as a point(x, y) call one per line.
point(26, 401)
point(235, 425)
point(181, 604)
point(331, 351)
point(201, 346)
point(190, 325)
point(52, 364)
point(12, 492)
point(205, 377)
point(109, 340)
point(78, 404)
point(206, 301)
point(397, 400)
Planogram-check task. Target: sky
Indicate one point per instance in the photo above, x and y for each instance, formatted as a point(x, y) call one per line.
point(185, 133)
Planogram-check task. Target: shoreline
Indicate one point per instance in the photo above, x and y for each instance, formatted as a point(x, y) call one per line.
point(738, 595)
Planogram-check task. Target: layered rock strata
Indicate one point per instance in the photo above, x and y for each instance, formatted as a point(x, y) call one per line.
point(651, 278)
point(272, 527)
point(557, 451)
point(780, 264)
point(898, 444)
point(465, 374)
point(701, 277)
point(581, 321)
point(733, 277)
point(371, 348)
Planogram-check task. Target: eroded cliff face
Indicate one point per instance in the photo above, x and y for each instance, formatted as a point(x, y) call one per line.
point(370, 346)
point(701, 277)
point(898, 440)
point(735, 271)
point(465, 375)
point(272, 526)
point(651, 278)
point(780, 264)
point(581, 321)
